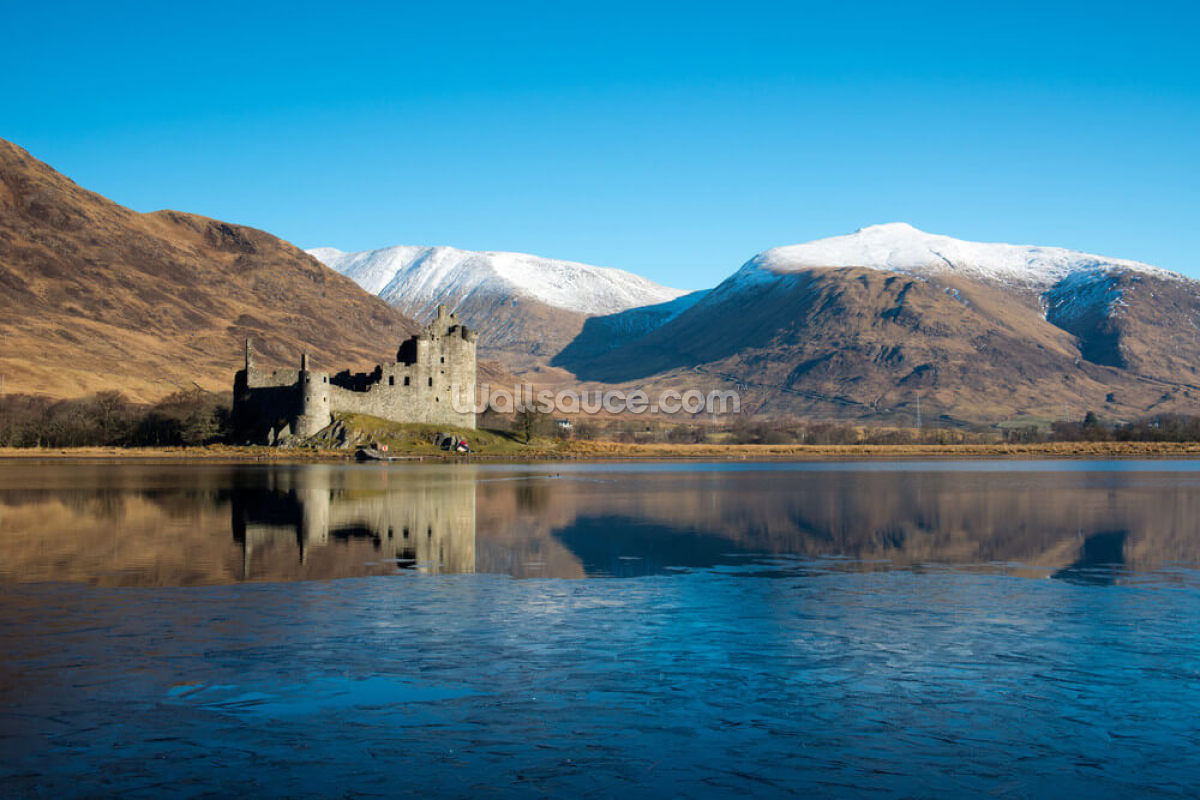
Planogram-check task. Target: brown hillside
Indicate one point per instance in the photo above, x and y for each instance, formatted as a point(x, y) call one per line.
point(97, 296)
point(518, 331)
point(861, 343)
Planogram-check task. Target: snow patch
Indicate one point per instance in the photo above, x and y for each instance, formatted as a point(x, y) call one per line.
point(420, 277)
point(957, 295)
point(899, 247)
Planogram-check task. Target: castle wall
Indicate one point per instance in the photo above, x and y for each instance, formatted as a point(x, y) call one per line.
point(315, 411)
point(265, 400)
point(430, 371)
point(414, 403)
point(274, 378)
point(433, 372)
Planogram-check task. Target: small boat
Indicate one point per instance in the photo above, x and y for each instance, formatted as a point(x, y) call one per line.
point(372, 453)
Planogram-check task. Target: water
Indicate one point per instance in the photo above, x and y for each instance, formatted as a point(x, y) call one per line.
point(1011, 629)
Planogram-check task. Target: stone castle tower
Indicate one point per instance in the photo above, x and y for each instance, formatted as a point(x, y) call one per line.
point(432, 381)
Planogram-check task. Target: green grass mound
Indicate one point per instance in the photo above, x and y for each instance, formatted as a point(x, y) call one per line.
point(404, 438)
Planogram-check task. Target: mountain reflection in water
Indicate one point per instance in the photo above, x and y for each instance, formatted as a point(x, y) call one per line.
point(187, 524)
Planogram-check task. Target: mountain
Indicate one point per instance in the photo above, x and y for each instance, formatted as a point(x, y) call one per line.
point(525, 307)
point(96, 296)
point(861, 325)
point(901, 248)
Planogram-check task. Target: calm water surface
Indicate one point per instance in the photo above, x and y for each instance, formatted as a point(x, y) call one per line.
point(1005, 629)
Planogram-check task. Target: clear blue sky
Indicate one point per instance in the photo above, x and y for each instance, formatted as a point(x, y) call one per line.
point(672, 139)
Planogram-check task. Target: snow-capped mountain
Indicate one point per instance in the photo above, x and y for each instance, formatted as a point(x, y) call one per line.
point(853, 325)
point(857, 325)
point(1071, 284)
point(899, 247)
point(523, 306)
point(415, 276)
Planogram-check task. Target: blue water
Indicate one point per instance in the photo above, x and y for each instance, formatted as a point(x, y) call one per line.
point(751, 672)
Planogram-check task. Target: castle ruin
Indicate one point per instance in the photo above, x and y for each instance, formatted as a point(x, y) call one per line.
point(434, 373)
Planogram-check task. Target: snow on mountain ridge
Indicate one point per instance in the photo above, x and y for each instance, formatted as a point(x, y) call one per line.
point(421, 276)
point(900, 247)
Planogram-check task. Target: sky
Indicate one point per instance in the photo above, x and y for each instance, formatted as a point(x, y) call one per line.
point(675, 140)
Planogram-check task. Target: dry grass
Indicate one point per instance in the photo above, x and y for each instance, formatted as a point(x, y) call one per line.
point(547, 449)
point(95, 296)
point(818, 451)
point(205, 453)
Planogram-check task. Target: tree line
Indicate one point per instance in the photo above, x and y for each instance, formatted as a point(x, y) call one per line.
point(783, 431)
point(196, 417)
point(186, 417)
point(1155, 428)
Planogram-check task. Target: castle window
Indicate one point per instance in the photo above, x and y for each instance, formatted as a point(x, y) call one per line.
point(391, 380)
point(443, 359)
point(325, 379)
point(431, 381)
point(407, 380)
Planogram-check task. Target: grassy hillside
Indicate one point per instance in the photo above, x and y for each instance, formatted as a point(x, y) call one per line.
point(95, 296)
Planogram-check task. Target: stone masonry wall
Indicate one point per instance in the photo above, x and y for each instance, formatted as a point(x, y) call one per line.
point(432, 369)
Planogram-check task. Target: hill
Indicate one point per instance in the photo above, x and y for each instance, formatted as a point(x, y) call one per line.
point(863, 325)
point(96, 296)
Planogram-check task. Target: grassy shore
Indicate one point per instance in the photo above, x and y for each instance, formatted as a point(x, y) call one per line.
point(548, 449)
point(750, 452)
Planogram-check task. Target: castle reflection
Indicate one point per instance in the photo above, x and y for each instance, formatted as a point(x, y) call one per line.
point(419, 524)
point(132, 524)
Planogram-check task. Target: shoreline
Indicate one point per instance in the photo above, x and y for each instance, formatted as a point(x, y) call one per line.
point(612, 451)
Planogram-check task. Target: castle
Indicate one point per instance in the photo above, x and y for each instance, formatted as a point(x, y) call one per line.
point(434, 373)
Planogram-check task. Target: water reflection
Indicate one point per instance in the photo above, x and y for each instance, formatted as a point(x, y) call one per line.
point(180, 524)
point(1076, 524)
point(1101, 559)
point(424, 525)
point(939, 678)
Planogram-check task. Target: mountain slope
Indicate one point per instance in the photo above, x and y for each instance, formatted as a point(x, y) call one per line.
point(522, 305)
point(96, 296)
point(602, 334)
point(860, 325)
